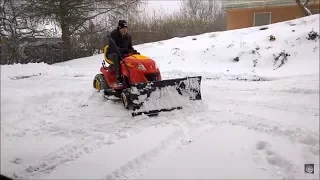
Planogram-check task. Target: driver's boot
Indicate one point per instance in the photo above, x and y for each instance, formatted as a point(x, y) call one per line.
point(119, 82)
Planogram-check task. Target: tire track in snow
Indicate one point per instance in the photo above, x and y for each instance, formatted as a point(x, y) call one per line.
point(280, 165)
point(259, 96)
point(175, 142)
point(67, 153)
point(88, 141)
point(187, 121)
point(46, 110)
point(187, 132)
point(89, 136)
point(86, 135)
point(276, 163)
point(133, 167)
point(208, 115)
point(308, 142)
point(294, 133)
point(100, 135)
point(270, 105)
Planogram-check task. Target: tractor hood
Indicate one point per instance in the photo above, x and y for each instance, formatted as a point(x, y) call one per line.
point(141, 62)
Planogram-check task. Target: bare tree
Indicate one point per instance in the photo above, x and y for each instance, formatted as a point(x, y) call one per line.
point(303, 6)
point(15, 26)
point(72, 15)
point(146, 28)
point(89, 41)
point(203, 10)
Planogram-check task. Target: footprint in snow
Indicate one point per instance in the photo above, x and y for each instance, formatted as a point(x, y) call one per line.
point(16, 161)
point(186, 141)
point(311, 140)
point(82, 105)
point(231, 45)
point(265, 155)
point(315, 48)
point(111, 141)
point(262, 145)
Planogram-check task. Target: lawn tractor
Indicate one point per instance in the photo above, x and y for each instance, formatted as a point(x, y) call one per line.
point(143, 87)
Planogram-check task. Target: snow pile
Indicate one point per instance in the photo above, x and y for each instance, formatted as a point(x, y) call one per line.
point(165, 98)
point(175, 95)
point(248, 52)
point(258, 117)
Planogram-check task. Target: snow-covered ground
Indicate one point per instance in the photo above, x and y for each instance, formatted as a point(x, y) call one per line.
point(255, 120)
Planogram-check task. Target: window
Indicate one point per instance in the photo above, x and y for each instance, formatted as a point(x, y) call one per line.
point(261, 19)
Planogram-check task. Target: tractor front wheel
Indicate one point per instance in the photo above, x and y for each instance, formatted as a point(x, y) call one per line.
point(126, 100)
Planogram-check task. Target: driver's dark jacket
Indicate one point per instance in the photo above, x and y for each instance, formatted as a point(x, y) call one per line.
point(123, 42)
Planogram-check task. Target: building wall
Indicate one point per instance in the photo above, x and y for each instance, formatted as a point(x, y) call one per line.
point(315, 6)
point(243, 18)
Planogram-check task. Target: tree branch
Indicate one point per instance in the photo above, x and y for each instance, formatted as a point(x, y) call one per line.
point(303, 7)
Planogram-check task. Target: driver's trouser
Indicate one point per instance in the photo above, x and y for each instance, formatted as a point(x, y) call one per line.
point(116, 62)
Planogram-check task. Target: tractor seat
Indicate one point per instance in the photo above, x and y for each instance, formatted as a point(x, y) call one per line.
point(105, 49)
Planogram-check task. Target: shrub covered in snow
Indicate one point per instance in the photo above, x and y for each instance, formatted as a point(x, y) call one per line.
point(313, 35)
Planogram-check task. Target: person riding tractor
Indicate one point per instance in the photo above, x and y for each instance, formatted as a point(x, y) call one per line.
point(124, 42)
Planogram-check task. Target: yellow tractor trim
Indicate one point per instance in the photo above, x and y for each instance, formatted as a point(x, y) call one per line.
point(140, 57)
point(137, 56)
point(105, 49)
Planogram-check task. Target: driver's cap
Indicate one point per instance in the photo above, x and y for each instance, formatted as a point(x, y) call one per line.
point(122, 23)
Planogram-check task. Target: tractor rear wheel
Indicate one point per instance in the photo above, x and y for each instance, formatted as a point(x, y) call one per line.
point(99, 83)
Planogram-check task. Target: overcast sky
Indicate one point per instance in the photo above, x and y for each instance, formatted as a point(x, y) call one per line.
point(167, 6)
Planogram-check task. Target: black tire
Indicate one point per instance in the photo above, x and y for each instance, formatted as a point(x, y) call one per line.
point(126, 99)
point(99, 83)
point(5, 177)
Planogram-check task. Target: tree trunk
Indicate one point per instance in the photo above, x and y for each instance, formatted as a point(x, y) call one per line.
point(65, 30)
point(66, 41)
point(303, 7)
